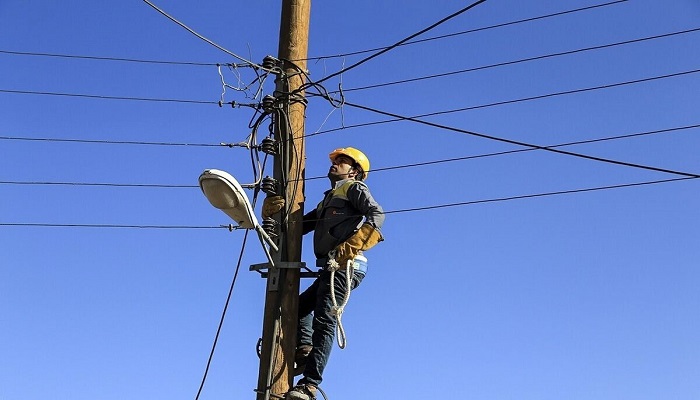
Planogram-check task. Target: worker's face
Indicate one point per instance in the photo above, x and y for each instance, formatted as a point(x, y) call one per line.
point(341, 168)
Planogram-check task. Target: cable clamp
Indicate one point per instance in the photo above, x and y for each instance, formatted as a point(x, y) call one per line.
point(230, 227)
point(239, 144)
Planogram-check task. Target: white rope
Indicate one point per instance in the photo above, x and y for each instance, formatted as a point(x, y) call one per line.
point(337, 311)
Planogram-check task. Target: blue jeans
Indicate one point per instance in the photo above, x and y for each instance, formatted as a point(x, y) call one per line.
point(316, 323)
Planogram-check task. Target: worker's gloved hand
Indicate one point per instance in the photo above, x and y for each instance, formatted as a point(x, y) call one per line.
point(364, 239)
point(272, 205)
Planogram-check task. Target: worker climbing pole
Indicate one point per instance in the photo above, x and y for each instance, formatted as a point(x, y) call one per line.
point(346, 223)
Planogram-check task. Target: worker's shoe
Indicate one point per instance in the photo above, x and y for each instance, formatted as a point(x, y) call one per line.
point(302, 392)
point(300, 358)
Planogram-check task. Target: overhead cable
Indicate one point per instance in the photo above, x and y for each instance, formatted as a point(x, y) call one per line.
point(472, 30)
point(46, 225)
point(223, 315)
point(255, 105)
point(498, 103)
point(524, 144)
point(530, 196)
point(398, 211)
point(502, 153)
point(523, 60)
point(202, 37)
point(194, 63)
point(124, 142)
point(139, 185)
point(102, 97)
point(566, 92)
point(375, 170)
point(132, 60)
point(150, 99)
point(364, 60)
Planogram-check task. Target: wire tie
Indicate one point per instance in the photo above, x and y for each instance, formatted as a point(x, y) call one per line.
point(221, 104)
point(230, 227)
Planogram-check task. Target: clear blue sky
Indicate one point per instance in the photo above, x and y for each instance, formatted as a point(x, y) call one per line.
point(589, 295)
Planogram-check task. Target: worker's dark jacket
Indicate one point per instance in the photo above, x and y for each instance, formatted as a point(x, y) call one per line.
point(340, 214)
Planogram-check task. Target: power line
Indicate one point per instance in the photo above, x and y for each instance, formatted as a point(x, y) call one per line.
point(498, 103)
point(139, 185)
point(524, 144)
point(566, 92)
point(381, 169)
point(202, 37)
point(223, 315)
point(473, 30)
point(364, 60)
point(124, 142)
point(529, 196)
point(209, 64)
point(255, 105)
point(397, 211)
point(501, 153)
point(523, 60)
point(121, 59)
point(102, 97)
point(149, 99)
point(230, 145)
point(46, 225)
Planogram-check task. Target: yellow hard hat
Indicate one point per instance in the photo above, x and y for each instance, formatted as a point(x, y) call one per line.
point(359, 157)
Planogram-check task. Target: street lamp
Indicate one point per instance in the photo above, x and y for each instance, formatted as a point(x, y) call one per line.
point(225, 193)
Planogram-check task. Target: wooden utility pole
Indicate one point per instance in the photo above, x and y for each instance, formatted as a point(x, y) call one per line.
point(276, 374)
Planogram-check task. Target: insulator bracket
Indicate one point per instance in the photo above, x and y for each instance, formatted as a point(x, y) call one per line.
point(269, 186)
point(269, 146)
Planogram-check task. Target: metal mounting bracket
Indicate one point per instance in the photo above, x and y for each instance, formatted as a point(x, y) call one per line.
point(274, 272)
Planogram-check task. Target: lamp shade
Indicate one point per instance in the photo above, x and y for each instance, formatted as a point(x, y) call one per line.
point(225, 193)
